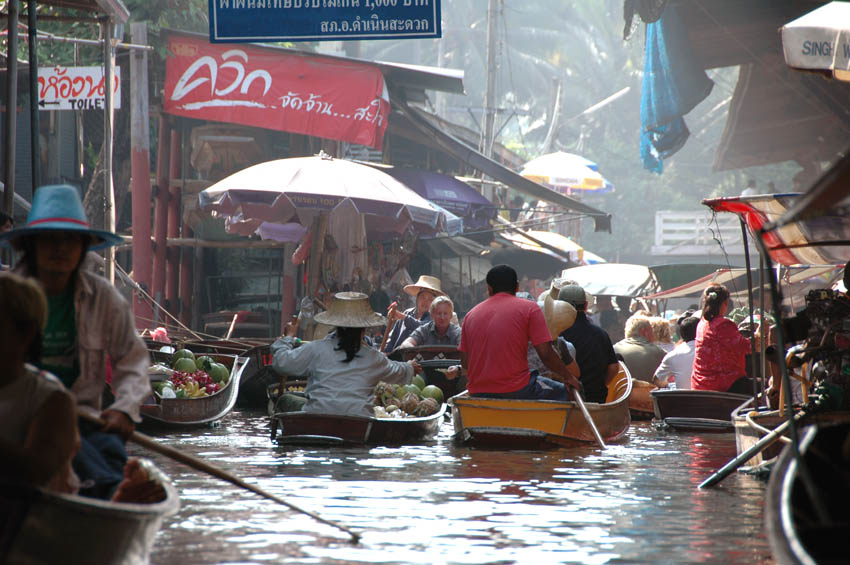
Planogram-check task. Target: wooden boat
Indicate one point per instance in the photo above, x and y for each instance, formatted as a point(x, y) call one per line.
point(752, 425)
point(303, 428)
point(640, 403)
point(256, 376)
point(796, 532)
point(37, 526)
point(536, 424)
point(206, 410)
point(696, 410)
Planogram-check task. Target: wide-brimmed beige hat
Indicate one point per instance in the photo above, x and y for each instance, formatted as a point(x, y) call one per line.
point(350, 310)
point(559, 315)
point(425, 282)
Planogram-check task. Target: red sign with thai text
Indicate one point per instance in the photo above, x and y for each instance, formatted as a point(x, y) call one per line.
point(253, 86)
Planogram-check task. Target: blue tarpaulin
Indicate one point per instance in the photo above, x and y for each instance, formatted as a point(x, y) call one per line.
point(673, 83)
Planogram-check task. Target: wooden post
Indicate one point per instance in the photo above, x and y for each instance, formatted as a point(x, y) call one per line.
point(108, 114)
point(173, 229)
point(317, 248)
point(287, 302)
point(35, 151)
point(161, 206)
point(11, 106)
point(140, 167)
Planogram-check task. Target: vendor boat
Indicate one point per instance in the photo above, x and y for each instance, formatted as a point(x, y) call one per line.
point(305, 428)
point(696, 410)
point(202, 411)
point(256, 377)
point(38, 526)
point(536, 424)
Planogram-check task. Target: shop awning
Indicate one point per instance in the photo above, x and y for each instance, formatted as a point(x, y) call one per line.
point(820, 237)
point(614, 279)
point(800, 277)
point(421, 121)
point(553, 241)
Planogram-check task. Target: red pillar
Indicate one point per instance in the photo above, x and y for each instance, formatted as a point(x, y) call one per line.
point(186, 279)
point(161, 207)
point(173, 253)
point(140, 166)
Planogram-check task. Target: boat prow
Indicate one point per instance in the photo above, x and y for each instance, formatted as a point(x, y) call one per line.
point(38, 526)
point(536, 424)
point(696, 410)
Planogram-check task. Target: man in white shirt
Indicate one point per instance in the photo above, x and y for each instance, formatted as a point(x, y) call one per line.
point(679, 363)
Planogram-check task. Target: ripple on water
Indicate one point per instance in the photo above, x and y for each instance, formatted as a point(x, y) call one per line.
point(438, 503)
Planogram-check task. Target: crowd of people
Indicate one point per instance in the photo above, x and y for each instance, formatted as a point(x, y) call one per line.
point(67, 325)
point(513, 347)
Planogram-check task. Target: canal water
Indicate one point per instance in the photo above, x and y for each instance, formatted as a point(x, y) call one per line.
point(635, 502)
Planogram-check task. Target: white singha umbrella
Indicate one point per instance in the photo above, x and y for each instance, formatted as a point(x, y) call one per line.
point(820, 40)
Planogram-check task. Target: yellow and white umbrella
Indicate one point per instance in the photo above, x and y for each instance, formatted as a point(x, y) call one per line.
point(565, 172)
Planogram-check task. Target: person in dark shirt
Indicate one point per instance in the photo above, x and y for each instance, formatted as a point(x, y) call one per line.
point(594, 351)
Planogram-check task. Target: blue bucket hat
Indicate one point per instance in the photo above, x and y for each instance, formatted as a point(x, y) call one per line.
point(58, 207)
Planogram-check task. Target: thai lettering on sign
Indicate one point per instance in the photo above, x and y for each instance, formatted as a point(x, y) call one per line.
point(75, 88)
point(317, 20)
point(276, 89)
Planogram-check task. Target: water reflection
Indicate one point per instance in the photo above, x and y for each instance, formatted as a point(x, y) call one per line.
point(439, 503)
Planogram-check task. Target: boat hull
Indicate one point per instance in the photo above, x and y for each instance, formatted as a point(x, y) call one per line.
point(744, 418)
point(207, 410)
point(535, 424)
point(640, 403)
point(37, 526)
point(696, 410)
point(299, 428)
point(791, 524)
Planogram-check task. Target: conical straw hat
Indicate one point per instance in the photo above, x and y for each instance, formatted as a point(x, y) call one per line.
point(350, 310)
point(559, 315)
point(425, 282)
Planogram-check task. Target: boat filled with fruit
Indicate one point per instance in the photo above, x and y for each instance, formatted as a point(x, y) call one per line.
point(190, 390)
point(403, 414)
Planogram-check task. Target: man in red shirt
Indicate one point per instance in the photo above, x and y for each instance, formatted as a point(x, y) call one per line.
point(494, 345)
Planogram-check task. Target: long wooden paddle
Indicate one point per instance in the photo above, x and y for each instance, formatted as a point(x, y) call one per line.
point(757, 447)
point(201, 465)
point(587, 417)
point(389, 325)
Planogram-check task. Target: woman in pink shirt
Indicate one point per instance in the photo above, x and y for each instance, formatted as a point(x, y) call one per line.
point(720, 349)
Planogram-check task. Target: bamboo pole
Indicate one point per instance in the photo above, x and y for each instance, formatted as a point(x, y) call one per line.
point(201, 465)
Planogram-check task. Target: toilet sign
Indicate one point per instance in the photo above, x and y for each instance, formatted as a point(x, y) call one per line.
point(75, 88)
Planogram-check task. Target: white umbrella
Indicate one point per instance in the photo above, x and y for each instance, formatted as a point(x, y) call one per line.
point(296, 189)
point(566, 171)
point(820, 40)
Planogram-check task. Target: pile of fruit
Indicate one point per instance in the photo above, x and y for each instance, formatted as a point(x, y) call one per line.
point(415, 400)
point(192, 377)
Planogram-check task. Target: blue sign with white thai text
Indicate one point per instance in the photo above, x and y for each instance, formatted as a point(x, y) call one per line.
point(322, 20)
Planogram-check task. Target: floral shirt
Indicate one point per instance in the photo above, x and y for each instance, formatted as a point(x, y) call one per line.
point(720, 355)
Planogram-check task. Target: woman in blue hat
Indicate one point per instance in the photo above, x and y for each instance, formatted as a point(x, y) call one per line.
point(88, 321)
